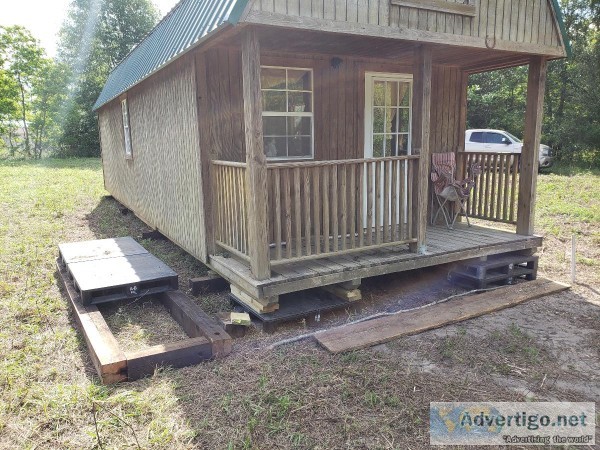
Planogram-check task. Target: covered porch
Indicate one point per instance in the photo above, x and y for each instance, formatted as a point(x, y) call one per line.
point(443, 246)
point(280, 226)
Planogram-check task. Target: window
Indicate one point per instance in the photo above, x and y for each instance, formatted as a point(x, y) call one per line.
point(390, 114)
point(126, 131)
point(476, 136)
point(494, 138)
point(287, 112)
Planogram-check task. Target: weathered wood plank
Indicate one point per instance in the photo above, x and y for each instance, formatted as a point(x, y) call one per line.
point(438, 6)
point(196, 323)
point(105, 353)
point(143, 363)
point(384, 329)
point(307, 215)
point(297, 212)
point(421, 135)
point(317, 209)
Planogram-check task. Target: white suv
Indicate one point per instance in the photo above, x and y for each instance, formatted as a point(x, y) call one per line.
point(498, 141)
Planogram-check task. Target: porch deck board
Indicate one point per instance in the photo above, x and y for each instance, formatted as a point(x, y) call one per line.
point(443, 246)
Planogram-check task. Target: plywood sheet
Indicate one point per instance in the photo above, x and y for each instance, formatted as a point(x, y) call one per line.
point(119, 271)
point(99, 249)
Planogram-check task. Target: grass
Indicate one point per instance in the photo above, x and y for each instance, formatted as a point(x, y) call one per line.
point(298, 396)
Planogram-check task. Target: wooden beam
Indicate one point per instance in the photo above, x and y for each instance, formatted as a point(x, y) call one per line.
point(196, 323)
point(384, 329)
point(143, 363)
point(106, 355)
point(206, 154)
point(401, 33)
point(439, 6)
point(420, 143)
point(463, 86)
point(536, 84)
point(256, 173)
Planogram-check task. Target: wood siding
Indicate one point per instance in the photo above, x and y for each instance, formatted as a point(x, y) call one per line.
point(339, 96)
point(162, 184)
point(518, 21)
point(221, 104)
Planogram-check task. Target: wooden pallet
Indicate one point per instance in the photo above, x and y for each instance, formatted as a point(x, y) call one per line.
point(107, 270)
point(384, 329)
point(206, 340)
point(503, 269)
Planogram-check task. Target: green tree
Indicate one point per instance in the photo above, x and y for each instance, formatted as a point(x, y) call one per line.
point(572, 103)
point(22, 62)
point(49, 94)
point(94, 38)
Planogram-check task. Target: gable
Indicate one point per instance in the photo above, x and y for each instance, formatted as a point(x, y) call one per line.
point(532, 26)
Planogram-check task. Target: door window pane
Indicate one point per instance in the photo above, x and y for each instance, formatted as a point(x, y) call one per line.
point(403, 120)
point(402, 145)
point(378, 147)
point(404, 95)
point(390, 145)
point(379, 93)
point(378, 120)
point(391, 116)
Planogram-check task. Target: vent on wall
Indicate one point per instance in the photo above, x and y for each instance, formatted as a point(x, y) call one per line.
point(463, 8)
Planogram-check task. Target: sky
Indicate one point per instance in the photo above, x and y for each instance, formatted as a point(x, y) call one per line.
point(44, 17)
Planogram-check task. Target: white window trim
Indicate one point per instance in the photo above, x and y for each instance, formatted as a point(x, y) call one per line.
point(295, 114)
point(126, 129)
point(369, 78)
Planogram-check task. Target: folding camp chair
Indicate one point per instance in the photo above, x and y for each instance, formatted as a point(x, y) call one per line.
point(448, 191)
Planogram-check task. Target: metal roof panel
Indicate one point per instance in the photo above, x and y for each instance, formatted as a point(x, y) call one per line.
point(187, 23)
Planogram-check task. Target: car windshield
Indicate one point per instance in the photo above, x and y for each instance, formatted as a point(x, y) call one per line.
point(516, 139)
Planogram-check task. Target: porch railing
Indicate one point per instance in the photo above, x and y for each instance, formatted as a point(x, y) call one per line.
point(320, 208)
point(230, 207)
point(496, 190)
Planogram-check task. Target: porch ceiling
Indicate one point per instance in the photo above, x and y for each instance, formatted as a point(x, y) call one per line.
point(303, 42)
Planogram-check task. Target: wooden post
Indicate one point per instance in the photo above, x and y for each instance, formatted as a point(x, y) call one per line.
point(206, 152)
point(463, 86)
point(536, 83)
point(420, 144)
point(256, 171)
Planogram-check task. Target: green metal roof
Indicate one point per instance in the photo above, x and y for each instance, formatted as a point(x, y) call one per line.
point(187, 24)
point(563, 29)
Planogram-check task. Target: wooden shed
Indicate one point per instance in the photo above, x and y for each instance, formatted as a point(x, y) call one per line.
point(287, 144)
